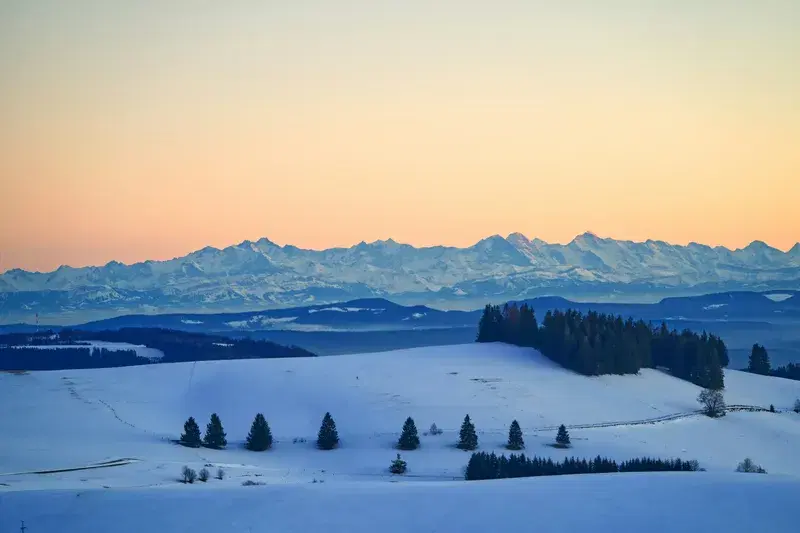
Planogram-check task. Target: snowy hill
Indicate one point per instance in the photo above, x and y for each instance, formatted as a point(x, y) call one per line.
point(88, 429)
point(262, 274)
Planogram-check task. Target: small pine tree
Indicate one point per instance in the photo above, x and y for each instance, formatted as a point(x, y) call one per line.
point(562, 437)
point(434, 430)
point(204, 475)
point(260, 437)
point(797, 406)
point(467, 438)
point(215, 435)
point(771, 408)
point(328, 437)
point(409, 438)
point(515, 440)
point(398, 466)
point(191, 434)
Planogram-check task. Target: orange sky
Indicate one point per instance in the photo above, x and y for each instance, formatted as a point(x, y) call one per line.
point(147, 130)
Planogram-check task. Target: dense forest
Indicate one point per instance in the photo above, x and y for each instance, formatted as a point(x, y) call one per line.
point(17, 359)
point(595, 343)
point(177, 346)
point(484, 465)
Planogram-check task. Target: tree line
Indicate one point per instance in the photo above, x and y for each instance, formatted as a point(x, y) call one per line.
point(598, 343)
point(484, 465)
point(33, 359)
point(177, 346)
point(759, 363)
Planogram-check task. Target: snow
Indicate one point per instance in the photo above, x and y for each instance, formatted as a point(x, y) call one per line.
point(346, 310)
point(191, 322)
point(622, 503)
point(141, 350)
point(778, 297)
point(713, 306)
point(130, 414)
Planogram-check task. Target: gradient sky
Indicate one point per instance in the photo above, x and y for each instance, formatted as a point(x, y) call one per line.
point(145, 130)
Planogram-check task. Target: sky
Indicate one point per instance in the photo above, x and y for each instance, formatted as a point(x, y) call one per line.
point(146, 130)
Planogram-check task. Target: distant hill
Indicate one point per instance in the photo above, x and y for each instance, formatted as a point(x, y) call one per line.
point(378, 314)
point(75, 348)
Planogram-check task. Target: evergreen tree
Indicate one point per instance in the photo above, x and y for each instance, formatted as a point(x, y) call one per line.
point(215, 435)
point(260, 437)
point(467, 438)
point(191, 434)
point(398, 466)
point(759, 361)
point(409, 439)
point(328, 437)
point(515, 440)
point(562, 437)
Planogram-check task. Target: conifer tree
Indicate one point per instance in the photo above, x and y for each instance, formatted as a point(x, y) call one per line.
point(191, 434)
point(562, 438)
point(215, 435)
point(260, 437)
point(467, 438)
point(328, 437)
point(409, 438)
point(759, 360)
point(398, 466)
point(515, 441)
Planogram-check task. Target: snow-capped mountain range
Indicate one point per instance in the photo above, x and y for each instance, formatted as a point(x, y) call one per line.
point(262, 274)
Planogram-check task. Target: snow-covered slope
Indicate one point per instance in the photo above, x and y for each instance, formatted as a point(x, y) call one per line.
point(619, 503)
point(264, 274)
point(69, 419)
point(68, 435)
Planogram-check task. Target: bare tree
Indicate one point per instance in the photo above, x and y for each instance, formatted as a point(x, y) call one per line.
point(713, 402)
point(189, 475)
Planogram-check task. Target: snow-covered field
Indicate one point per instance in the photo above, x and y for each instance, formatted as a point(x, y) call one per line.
point(120, 421)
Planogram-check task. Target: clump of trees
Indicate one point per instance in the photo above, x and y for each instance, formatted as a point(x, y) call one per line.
point(758, 363)
point(489, 466)
point(260, 437)
point(597, 343)
point(409, 438)
point(562, 437)
point(467, 438)
point(398, 466)
point(713, 402)
point(790, 371)
point(328, 437)
point(515, 440)
point(750, 467)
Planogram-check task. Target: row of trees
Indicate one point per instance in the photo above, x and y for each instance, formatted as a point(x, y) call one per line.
point(258, 440)
point(484, 465)
point(597, 343)
point(759, 363)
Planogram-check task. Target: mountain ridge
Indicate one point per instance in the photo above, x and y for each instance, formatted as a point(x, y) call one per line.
point(260, 274)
